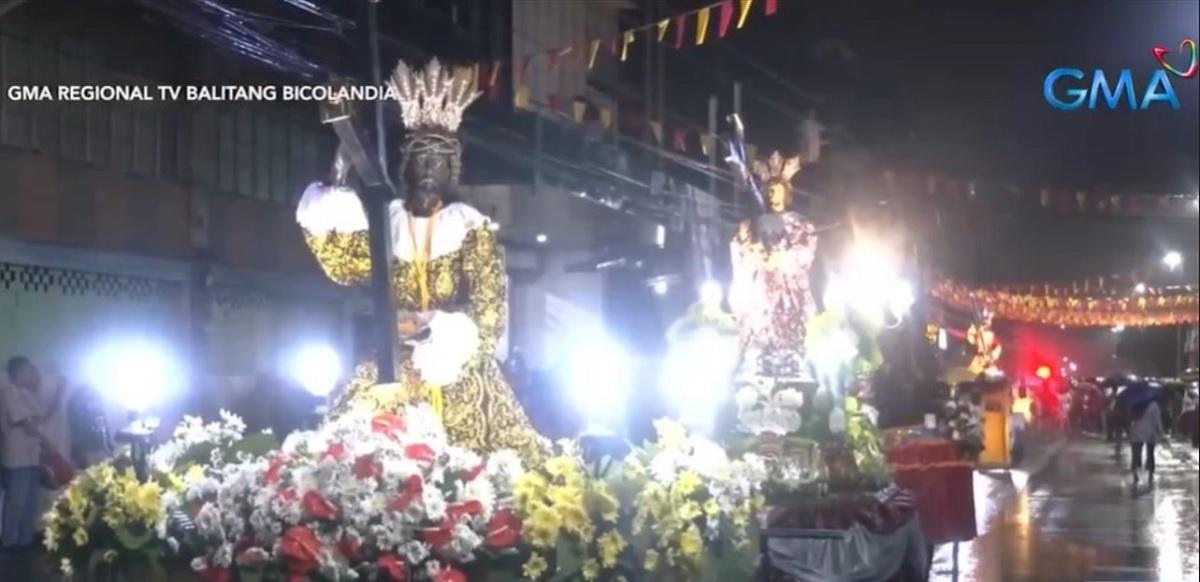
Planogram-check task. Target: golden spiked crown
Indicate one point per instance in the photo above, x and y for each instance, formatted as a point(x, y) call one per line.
point(435, 97)
point(776, 169)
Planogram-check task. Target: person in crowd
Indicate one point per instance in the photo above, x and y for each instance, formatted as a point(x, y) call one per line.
point(26, 405)
point(1145, 431)
point(90, 438)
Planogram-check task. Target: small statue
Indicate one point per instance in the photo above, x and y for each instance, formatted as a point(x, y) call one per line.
point(770, 293)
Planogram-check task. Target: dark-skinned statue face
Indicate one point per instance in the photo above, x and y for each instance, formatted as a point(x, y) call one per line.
point(428, 176)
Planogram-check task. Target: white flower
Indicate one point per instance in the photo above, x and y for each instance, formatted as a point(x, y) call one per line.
point(414, 552)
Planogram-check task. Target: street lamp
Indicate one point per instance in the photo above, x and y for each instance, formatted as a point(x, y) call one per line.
point(137, 374)
point(1173, 260)
point(316, 368)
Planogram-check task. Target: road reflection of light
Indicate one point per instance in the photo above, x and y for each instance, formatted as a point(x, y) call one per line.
point(1164, 529)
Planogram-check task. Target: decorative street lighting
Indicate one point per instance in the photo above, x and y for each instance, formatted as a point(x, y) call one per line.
point(1173, 260)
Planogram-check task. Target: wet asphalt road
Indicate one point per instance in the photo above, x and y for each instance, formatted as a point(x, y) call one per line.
point(1079, 519)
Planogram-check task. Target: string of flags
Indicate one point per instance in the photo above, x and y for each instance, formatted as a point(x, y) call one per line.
point(680, 31)
point(940, 189)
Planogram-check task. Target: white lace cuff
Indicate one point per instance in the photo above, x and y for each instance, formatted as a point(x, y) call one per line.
point(325, 208)
point(453, 339)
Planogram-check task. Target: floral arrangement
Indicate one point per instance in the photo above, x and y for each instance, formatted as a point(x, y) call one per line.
point(106, 519)
point(655, 516)
point(961, 423)
point(380, 498)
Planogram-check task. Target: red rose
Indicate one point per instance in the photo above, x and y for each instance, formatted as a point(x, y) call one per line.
point(388, 424)
point(299, 548)
point(213, 574)
point(317, 507)
point(395, 568)
point(336, 451)
point(412, 490)
point(474, 473)
point(351, 548)
point(422, 453)
point(449, 575)
point(440, 536)
point(366, 467)
point(503, 530)
point(456, 512)
point(272, 475)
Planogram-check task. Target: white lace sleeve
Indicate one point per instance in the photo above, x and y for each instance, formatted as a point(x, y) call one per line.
point(324, 209)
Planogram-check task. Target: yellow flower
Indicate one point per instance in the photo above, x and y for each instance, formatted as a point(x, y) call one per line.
point(575, 520)
point(80, 537)
point(528, 488)
point(711, 508)
point(542, 527)
point(651, 562)
point(591, 570)
point(565, 496)
point(634, 470)
point(561, 467)
point(689, 511)
point(611, 545)
point(691, 544)
point(536, 567)
point(687, 483)
point(671, 434)
point(602, 502)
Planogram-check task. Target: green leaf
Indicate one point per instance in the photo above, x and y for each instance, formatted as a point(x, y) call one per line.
point(255, 445)
point(250, 573)
point(569, 560)
point(132, 541)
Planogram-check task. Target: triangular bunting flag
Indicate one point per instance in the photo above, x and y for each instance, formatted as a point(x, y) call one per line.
point(745, 11)
point(707, 143)
point(726, 18)
point(702, 24)
point(628, 40)
point(523, 74)
point(772, 6)
point(494, 81)
point(606, 117)
point(679, 139)
point(656, 128)
point(579, 109)
point(521, 97)
point(592, 52)
point(663, 25)
point(680, 26)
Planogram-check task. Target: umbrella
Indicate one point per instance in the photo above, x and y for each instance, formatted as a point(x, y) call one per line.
point(1137, 394)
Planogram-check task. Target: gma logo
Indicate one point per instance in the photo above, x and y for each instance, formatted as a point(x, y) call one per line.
point(1065, 82)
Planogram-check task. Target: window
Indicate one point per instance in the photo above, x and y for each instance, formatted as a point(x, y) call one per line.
point(18, 115)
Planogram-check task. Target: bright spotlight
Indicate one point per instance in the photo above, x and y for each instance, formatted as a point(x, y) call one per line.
point(1173, 260)
point(1074, 367)
point(1118, 328)
point(902, 299)
point(696, 377)
point(1140, 288)
point(317, 368)
point(136, 374)
point(599, 382)
point(660, 287)
point(711, 294)
point(541, 238)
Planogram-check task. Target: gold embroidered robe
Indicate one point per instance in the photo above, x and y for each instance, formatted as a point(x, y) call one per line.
point(465, 275)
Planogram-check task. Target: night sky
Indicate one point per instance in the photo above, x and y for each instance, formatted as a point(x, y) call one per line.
point(957, 86)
